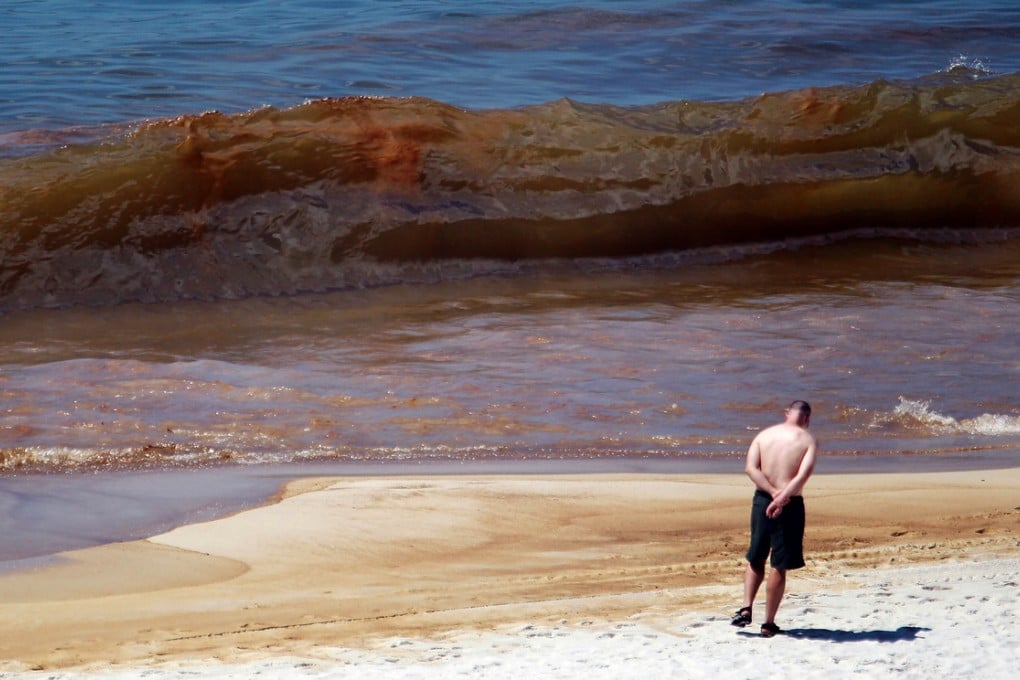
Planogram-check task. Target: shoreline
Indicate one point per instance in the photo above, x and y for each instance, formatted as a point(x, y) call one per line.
point(46, 513)
point(348, 562)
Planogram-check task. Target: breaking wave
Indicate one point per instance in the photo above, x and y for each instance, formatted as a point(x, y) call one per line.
point(356, 192)
point(919, 415)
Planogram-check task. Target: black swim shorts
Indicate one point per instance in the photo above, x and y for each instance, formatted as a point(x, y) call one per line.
point(782, 536)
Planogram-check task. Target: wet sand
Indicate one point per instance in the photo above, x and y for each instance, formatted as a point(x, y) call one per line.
point(44, 514)
point(347, 562)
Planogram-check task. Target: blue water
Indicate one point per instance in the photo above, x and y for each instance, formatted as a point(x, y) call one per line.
point(66, 63)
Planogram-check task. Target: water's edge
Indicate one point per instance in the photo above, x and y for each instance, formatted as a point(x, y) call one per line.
point(48, 514)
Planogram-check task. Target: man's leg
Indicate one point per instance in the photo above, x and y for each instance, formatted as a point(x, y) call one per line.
point(774, 593)
point(752, 581)
point(757, 553)
point(753, 577)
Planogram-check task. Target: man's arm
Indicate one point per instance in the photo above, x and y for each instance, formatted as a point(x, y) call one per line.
point(753, 469)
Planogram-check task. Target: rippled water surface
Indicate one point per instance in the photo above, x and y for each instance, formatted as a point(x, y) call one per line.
point(68, 63)
point(908, 357)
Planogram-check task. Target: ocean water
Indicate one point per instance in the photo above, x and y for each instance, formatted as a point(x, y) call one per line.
point(239, 233)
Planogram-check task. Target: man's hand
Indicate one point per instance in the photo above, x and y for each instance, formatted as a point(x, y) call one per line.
point(775, 508)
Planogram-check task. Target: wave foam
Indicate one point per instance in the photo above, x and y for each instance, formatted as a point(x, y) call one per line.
point(914, 413)
point(968, 65)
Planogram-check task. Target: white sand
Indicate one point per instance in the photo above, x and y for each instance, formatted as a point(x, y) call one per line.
point(939, 621)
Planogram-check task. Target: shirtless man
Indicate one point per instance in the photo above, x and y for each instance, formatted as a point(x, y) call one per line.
point(779, 462)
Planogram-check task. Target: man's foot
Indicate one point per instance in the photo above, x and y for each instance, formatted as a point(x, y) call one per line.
point(742, 618)
point(769, 629)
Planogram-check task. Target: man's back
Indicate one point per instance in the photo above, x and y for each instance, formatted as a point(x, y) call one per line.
point(782, 457)
point(782, 449)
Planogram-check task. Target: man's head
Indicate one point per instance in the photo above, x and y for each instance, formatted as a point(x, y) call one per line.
point(799, 412)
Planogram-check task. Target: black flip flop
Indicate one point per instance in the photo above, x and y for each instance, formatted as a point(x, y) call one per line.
point(742, 618)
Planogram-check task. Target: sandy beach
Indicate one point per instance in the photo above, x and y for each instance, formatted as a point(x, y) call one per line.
point(611, 576)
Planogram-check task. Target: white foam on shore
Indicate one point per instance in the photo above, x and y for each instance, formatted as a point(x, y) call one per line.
point(954, 620)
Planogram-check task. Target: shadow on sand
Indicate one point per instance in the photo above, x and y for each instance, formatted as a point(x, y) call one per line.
point(901, 634)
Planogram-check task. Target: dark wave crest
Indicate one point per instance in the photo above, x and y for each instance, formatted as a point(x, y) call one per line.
point(360, 191)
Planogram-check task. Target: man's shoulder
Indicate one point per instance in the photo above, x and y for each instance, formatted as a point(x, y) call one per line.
point(786, 438)
point(783, 430)
point(808, 437)
point(773, 430)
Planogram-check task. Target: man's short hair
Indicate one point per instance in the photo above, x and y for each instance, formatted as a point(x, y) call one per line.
point(801, 406)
